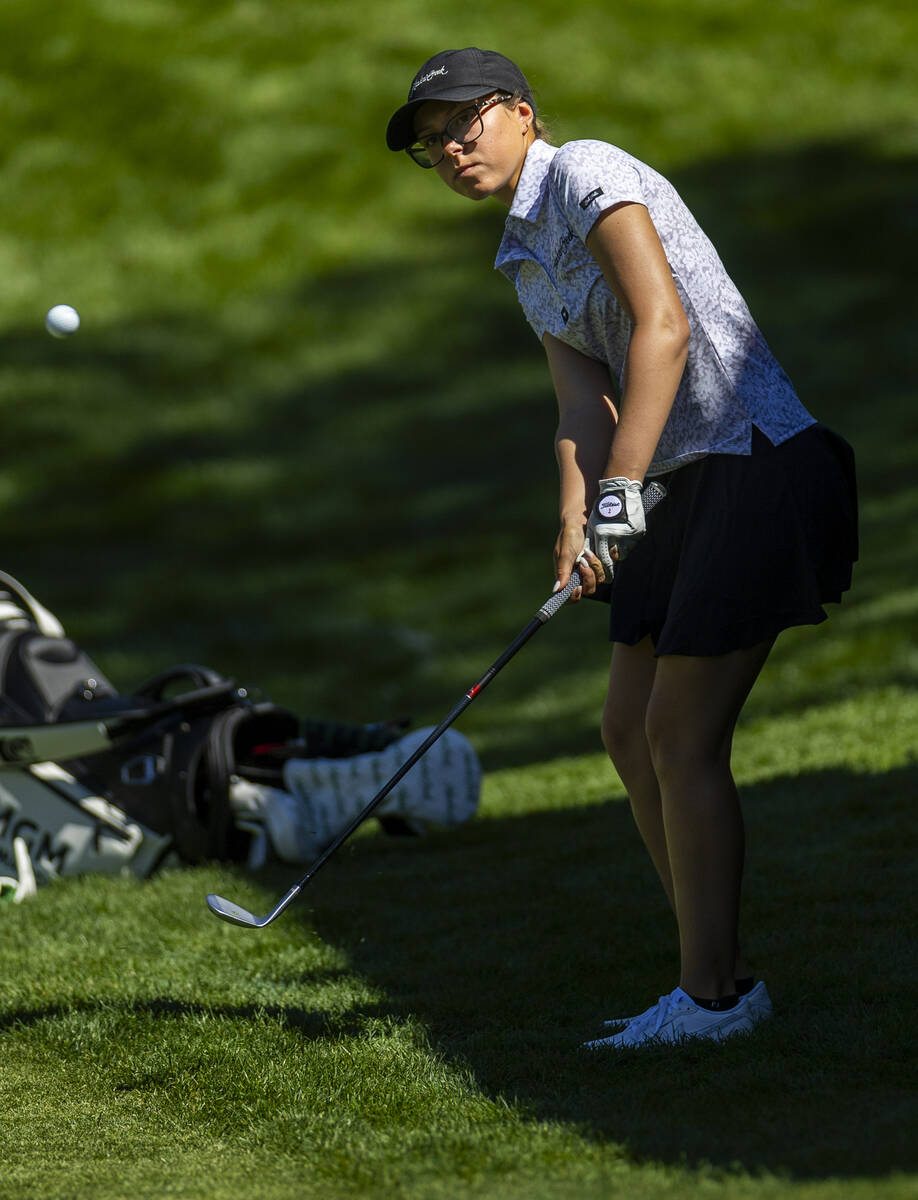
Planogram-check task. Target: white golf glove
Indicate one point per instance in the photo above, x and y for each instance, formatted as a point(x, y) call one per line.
point(617, 520)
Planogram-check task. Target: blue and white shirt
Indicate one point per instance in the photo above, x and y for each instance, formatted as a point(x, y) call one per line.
point(731, 382)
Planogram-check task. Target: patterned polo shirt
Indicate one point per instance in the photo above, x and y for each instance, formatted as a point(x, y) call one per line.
point(731, 381)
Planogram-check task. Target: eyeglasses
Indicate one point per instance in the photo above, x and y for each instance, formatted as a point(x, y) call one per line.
point(464, 127)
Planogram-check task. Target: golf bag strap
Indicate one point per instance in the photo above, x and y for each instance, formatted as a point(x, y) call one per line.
point(200, 677)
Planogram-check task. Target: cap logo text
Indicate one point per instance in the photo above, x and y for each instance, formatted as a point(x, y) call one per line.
point(427, 78)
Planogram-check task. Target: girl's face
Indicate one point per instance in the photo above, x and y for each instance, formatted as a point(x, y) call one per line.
point(490, 165)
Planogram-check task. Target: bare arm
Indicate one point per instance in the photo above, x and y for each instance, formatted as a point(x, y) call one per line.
point(593, 441)
point(629, 253)
point(586, 422)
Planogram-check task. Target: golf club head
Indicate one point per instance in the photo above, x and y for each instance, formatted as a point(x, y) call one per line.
point(227, 911)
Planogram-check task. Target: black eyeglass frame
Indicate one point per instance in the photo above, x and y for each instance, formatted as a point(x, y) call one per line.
point(480, 106)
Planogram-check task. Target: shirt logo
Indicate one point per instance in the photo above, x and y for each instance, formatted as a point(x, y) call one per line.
point(588, 200)
point(562, 246)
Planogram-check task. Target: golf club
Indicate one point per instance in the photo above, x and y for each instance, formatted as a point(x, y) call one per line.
point(226, 910)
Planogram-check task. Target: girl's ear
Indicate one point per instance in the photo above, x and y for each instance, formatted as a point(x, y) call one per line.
point(525, 114)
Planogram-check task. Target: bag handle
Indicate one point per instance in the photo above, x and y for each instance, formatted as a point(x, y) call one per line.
point(47, 622)
point(202, 678)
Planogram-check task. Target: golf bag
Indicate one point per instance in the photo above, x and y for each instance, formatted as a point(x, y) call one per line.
point(186, 768)
point(93, 780)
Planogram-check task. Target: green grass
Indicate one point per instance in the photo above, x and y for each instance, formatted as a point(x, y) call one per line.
point(299, 438)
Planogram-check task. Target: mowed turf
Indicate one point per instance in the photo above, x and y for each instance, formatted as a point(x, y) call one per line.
point(304, 437)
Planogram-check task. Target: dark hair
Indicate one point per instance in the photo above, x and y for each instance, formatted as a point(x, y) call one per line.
point(539, 127)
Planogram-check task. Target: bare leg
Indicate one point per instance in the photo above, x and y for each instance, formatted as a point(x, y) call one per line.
point(631, 682)
point(690, 719)
point(631, 679)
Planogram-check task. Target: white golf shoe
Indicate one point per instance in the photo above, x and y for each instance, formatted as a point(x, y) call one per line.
point(757, 998)
point(677, 1018)
point(758, 1002)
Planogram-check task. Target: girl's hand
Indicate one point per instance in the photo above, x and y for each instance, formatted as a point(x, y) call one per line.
point(572, 548)
point(617, 520)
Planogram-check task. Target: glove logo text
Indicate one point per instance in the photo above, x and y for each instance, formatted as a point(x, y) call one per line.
point(610, 506)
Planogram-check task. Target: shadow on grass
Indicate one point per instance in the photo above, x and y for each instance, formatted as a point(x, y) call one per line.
point(306, 1022)
point(513, 939)
point(510, 940)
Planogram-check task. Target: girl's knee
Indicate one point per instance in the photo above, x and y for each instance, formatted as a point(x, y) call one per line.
point(683, 747)
point(623, 734)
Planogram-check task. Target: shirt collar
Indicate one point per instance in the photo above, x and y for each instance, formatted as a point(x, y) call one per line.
point(531, 188)
point(533, 181)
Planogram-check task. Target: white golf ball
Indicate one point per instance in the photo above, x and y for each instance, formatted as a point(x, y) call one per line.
point(62, 320)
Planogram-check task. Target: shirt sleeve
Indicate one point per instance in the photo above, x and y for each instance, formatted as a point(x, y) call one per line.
point(586, 178)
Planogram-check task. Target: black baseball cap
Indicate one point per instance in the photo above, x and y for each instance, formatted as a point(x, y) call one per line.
point(455, 75)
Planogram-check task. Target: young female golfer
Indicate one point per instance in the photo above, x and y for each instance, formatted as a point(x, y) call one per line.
point(660, 373)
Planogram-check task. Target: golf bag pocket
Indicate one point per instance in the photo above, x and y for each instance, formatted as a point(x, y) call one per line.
point(67, 830)
point(318, 797)
point(44, 676)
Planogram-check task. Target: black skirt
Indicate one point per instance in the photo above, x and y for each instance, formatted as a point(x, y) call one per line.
point(741, 548)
